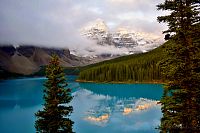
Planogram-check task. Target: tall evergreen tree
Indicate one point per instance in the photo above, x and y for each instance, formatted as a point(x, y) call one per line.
point(181, 98)
point(54, 116)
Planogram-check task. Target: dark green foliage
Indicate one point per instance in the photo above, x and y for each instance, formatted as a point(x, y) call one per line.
point(72, 70)
point(54, 116)
point(134, 68)
point(181, 98)
point(167, 36)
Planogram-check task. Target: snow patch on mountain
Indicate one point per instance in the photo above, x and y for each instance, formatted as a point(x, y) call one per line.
point(121, 41)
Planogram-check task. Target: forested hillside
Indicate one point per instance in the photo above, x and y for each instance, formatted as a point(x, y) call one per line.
point(142, 67)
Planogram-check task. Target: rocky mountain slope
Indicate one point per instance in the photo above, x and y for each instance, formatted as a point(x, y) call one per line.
point(28, 59)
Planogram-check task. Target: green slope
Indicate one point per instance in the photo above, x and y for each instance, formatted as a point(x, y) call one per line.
point(142, 67)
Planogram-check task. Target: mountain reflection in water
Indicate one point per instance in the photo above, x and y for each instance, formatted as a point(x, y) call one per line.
point(98, 108)
point(123, 114)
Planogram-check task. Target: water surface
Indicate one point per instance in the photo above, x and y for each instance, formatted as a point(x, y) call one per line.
point(98, 108)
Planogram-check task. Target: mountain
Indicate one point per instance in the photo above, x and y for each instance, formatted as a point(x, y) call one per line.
point(27, 59)
point(142, 67)
point(97, 30)
point(133, 41)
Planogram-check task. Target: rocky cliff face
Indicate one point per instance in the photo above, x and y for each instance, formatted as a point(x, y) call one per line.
point(97, 30)
point(120, 37)
point(28, 59)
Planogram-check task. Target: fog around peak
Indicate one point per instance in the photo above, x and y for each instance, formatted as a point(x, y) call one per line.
point(57, 23)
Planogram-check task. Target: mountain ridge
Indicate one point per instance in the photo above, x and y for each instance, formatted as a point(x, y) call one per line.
point(122, 37)
point(27, 59)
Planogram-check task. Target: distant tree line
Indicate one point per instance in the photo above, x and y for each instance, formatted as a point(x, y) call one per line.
point(135, 68)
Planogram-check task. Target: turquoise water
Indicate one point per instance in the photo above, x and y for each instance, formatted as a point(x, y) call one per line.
point(98, 108)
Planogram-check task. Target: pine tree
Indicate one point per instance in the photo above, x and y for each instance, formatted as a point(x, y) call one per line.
point(54, 116)
point(181, 98)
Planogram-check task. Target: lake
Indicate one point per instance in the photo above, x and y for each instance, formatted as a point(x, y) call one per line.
point(98, 108)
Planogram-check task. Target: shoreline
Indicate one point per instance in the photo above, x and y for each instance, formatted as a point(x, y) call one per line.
point(122, 82)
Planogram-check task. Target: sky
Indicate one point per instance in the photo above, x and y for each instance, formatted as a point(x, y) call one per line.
point(57, 23)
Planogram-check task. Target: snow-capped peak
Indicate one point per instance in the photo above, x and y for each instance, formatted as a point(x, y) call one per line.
point(144, 35)
point(98, 24)
point(121, 30)
point(122, 38)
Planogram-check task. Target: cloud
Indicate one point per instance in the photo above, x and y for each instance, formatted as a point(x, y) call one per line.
point(57, 22)
point(45, 22)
